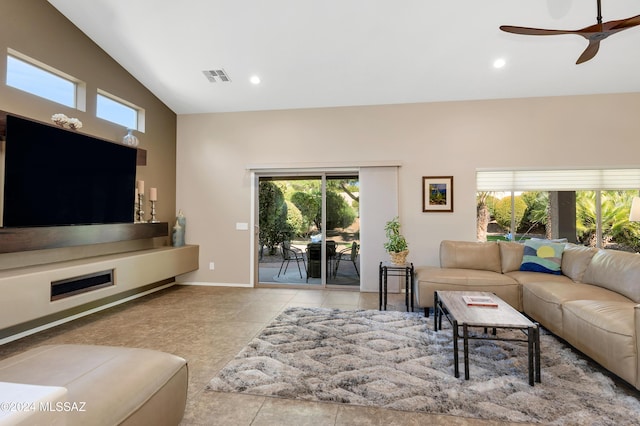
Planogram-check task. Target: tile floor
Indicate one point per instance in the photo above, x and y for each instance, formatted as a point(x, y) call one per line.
point(208, 326)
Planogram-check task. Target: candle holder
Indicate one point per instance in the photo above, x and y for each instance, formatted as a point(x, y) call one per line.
point(140, 212)
point(153, 211)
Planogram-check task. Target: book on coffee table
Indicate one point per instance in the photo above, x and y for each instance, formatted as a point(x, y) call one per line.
point(480, 301)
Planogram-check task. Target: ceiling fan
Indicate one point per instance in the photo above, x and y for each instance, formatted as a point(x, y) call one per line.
point(594, 33)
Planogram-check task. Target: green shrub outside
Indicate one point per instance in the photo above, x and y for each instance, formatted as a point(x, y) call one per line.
point(502, 212)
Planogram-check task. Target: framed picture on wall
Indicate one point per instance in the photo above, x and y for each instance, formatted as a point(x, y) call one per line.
point(437, 193)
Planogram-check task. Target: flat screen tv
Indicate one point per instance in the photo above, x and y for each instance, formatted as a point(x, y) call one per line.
point(54, 176)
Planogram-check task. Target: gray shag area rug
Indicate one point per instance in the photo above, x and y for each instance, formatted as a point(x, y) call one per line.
point(395, 360)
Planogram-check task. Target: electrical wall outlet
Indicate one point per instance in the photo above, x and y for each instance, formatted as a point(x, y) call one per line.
point(212, 266)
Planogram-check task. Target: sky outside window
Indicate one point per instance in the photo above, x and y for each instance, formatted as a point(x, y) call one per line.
point(117, 112)
point(35, 80)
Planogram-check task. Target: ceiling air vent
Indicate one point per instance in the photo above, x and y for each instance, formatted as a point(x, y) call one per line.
point(217, 75)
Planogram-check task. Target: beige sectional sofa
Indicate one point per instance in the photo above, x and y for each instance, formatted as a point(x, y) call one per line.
point(94, 385)
point(594, 304)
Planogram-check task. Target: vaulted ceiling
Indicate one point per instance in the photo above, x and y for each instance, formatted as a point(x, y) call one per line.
point(322, 53)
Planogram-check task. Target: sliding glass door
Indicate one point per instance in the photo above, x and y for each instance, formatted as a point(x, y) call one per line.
point(308, 230)
point(342, 220)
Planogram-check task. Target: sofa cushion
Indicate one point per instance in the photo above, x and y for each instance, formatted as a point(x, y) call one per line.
point(542, 256)
point(605, 331)
point(430, 279)
point(462, 276)
point(470, 255)
point(575, 260)
point(617, 271)
point(510, 255)
point(543, 300)
point(525, 277)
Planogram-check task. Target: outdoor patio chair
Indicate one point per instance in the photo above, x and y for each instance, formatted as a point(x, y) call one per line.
point(290, 253)
point(351, 253)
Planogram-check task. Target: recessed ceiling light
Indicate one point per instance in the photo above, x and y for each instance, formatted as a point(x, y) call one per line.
point(255, 79)
point(499, 63)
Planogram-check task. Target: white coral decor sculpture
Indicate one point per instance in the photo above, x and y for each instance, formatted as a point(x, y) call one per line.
point(74, 123)
point(60, 119)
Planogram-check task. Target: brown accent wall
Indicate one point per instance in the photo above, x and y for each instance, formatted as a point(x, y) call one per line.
point(38, 30)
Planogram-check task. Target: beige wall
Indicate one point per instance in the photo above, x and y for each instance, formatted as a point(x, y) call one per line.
point(214, 187)
point(456, 138)
point(36, 29)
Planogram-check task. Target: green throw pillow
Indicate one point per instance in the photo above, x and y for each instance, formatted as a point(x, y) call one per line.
point(542, 256)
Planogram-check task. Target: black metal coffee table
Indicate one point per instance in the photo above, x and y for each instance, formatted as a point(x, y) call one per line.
point(452, 305)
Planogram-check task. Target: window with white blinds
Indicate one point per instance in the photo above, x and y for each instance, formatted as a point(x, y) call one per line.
point(557, 180)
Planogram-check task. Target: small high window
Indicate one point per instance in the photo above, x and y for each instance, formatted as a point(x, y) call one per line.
point(42, 80)
point(119, 111)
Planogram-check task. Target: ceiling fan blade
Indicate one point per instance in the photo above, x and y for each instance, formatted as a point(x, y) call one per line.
point(589, 52)
point(623, 24)
point(593, 33)
point(533, 31)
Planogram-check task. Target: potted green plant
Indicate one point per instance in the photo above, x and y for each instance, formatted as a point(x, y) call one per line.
point(396, 244)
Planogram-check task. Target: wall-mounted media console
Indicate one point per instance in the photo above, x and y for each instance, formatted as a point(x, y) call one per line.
point(50, 237)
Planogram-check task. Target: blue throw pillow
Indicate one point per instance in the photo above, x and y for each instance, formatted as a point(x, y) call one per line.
point(542, 256)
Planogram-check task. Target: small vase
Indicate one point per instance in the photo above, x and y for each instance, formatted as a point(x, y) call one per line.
point(182, 221)
point(130, 139)
point(177, 236)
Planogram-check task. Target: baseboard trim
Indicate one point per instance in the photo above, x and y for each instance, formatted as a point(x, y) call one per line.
point(209, 284)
